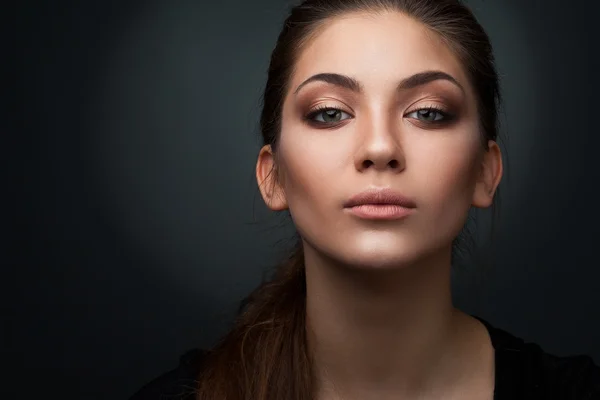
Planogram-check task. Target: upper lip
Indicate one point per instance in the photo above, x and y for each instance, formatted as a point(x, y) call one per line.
point(380, 196)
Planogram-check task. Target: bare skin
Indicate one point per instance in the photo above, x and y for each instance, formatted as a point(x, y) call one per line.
point(381, 322)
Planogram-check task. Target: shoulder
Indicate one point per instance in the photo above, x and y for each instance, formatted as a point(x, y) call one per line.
point(525, 370)
point(549, 376)
point(177, 384)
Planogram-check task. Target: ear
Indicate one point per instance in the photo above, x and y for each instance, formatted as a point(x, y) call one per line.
point(489, 176)
point(270, 188)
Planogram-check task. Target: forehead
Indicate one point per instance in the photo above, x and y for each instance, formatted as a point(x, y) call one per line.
point(378, 49)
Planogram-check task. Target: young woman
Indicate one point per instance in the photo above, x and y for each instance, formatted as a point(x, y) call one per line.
point(379, 126)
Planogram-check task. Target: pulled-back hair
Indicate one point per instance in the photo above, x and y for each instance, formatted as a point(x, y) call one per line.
point(265, 355)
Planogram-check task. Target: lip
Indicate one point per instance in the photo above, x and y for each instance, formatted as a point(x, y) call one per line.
point(380, 197)
point(380, 204)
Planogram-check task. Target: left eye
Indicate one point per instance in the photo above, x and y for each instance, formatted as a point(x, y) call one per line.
point(429, 114)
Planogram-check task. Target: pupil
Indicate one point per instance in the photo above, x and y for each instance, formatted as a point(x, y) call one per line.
point(426, 114)
point(331, 114)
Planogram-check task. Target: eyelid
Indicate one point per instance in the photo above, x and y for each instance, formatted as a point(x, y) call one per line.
point(323, 107)
point(330, 104)
point(432, 105)
point(448, 115)
point(309, 117)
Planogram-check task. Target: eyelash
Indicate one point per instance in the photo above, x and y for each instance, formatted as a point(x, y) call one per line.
point(446, 116)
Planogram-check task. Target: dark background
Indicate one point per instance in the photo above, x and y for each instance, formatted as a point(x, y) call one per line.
point(132, 222)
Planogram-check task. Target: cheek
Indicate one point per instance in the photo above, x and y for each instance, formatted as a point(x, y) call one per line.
point(456, 174)
point(310, 165)
point(450, 173)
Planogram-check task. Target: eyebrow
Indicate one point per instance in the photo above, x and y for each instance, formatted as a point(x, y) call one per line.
point(413, 81)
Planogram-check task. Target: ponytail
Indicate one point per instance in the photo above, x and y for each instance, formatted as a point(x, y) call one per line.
point(264, 356)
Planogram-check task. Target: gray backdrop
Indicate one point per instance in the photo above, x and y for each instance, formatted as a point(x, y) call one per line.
point(133, 221)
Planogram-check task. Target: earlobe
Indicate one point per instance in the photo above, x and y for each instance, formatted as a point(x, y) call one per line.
point(271, 190)
point(489, 177)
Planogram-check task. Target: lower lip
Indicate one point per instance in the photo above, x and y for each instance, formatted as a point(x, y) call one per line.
point(380, 211)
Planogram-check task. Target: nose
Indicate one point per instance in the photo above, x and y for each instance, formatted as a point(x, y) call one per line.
point(380, 147)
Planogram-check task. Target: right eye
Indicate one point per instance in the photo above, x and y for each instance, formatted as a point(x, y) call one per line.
point(327, 115)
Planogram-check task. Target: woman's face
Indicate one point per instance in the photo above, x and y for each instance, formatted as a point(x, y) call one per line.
point(339, 139)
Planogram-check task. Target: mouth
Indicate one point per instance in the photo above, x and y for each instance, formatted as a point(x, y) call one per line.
point(380, 204)
point(380, 211)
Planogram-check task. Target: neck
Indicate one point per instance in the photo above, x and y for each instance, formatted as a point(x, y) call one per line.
point(378, 333)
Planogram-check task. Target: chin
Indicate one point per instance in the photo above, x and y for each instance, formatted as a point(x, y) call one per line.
point(377, 250)
point(380, 254)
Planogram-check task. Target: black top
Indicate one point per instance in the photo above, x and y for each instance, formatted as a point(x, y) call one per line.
point(523, 371)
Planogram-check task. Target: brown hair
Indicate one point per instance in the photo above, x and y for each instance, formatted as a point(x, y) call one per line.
point(265, 355)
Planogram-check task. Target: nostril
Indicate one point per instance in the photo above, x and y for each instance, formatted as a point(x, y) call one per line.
point(367, 163)
point(394, 163)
